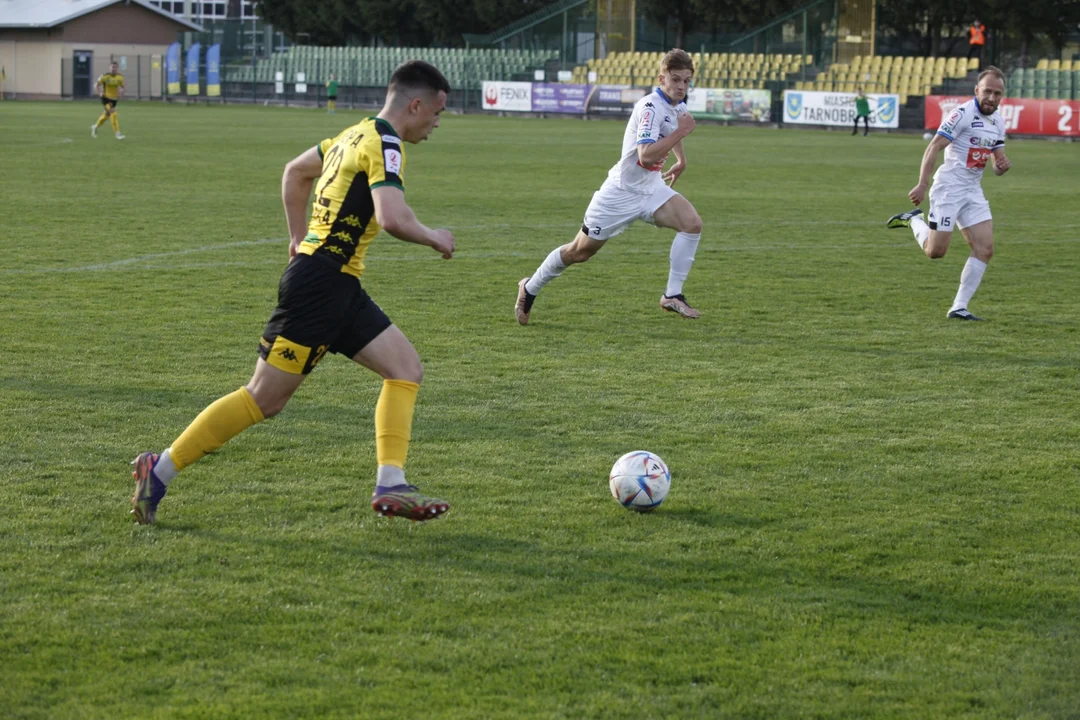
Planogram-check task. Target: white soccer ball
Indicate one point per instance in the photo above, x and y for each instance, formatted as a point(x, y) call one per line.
point(927, 135)
point(639, 480)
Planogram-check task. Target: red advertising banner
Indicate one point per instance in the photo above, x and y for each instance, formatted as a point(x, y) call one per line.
point(1022, 116)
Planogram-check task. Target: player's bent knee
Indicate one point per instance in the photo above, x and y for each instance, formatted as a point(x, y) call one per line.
point(413, 372)
point(934, 252)
point(693, 225)
point(269, 407)
point(580, 255)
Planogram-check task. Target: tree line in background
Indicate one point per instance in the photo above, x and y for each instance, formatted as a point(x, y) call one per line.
point(930, 27)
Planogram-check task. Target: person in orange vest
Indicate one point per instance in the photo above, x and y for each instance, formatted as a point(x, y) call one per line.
point(976, 40)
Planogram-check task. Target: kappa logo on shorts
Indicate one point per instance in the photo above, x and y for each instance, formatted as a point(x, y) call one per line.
point(288, 356)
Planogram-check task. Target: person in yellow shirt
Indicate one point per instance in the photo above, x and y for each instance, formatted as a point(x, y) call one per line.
point(359, 189)
point(111, 88)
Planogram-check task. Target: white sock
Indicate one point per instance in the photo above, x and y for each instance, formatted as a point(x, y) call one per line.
point(969, 282)
point(550, 269)
point(165, 470)
point(389, 476)
point(682, 259)
point(921, 230)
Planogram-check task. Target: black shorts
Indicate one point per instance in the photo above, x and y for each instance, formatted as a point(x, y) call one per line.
point(109, 101)
point(331, 97)
point(319, 308)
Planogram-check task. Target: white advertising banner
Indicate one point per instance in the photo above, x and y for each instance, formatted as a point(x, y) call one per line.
point(804, 107)
point(516, 96)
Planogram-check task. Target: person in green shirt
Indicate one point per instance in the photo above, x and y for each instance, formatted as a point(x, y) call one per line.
point(331, 94)
point(862, 110)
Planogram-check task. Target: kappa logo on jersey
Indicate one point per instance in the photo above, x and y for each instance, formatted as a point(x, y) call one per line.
point(393, 161)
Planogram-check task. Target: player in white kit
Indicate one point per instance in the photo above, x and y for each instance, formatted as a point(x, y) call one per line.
point(637, 188)
point(971, 135)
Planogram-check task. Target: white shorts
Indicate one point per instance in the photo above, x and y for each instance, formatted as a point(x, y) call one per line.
point(613, 209)
point(952, 208)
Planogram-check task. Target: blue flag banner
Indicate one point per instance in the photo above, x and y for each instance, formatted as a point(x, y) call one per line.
point(213, 70)
point(193, 69)
point(172, 69)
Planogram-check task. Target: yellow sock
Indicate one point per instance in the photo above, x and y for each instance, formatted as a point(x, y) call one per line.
point(223, 420)
point(115, 122)
point(331, 105)
point(393, 421)
point(101, 120)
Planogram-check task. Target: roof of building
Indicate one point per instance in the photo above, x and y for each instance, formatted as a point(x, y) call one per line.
point(50, 13)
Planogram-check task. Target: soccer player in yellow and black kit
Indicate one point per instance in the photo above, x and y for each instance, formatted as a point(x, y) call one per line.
point(321, 305)
point(111, 88)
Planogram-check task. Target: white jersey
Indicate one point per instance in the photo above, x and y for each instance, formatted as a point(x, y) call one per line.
point(653, 118)
point(974, 138)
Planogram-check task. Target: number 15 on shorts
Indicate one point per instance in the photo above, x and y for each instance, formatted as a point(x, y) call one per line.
point(944, 224)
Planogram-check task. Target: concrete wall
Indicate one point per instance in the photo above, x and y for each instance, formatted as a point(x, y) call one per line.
point(32, 59)
point(32, 64)
point(34, 69)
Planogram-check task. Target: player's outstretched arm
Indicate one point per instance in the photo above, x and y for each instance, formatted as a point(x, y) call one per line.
point(926, 169)
point(1001, 163)
point(296, 183)
point(396, 217)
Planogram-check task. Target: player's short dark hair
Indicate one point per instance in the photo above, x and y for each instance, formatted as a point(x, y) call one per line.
point(676, 59)
point(991, 70)
point(417, 76)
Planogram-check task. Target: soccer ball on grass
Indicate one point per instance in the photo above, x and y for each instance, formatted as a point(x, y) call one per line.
point(640, 480)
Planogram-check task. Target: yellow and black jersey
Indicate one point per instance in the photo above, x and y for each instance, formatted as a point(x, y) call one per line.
point(363, 157)
point(111, 84)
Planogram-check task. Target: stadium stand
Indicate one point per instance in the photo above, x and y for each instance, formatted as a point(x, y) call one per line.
point(1049, 79)
point(371, 67)
point(905, 76)
point(729, 70)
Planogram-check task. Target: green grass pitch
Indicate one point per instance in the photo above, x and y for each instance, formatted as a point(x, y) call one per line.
point(875, 512)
